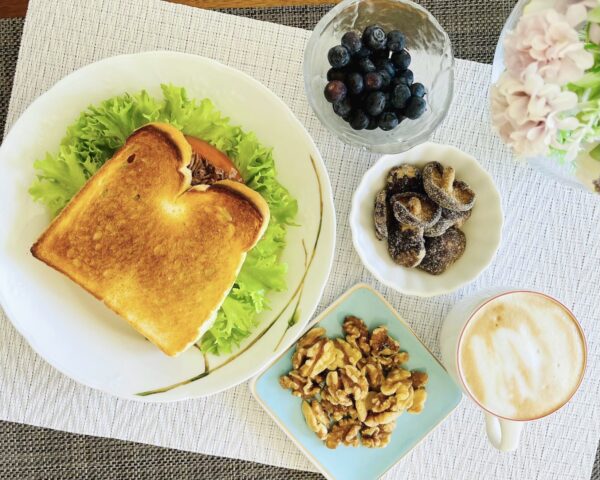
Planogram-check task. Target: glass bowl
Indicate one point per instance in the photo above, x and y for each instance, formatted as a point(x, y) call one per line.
point(432, 64)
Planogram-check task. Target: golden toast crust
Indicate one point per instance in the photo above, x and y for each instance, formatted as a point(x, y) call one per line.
point(158, 252)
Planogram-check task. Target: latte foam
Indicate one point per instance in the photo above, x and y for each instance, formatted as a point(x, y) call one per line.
point(522, 355)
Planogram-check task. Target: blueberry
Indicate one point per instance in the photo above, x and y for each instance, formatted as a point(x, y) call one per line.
point(364, 52)
point(373, 123)
point(375, 103)
point(417, 89)
point(352, 41)
point(386, 77)
point(336, 74)
point(385, 64)
point(400, 117)
point(335, 91)
point(380, 55)
point(415, 107)
point(388, 121)
point(401, 59)
point(359, 120)
point(374, 37)
point(366, 65)
point(396, 41)
point(400, 96)
point(342, 108)
point(407, 77)
point(338, 56)
point(373, 81)
point(355, 83)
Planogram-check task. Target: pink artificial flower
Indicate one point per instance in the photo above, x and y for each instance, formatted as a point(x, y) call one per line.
point(575, 10)
point(548, 42)
point(526, 112)
point(562, 6)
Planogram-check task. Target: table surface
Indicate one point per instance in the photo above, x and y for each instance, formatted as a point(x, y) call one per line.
point(30, 452)
point(18, 8)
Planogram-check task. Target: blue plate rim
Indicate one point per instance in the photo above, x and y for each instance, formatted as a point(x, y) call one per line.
point(320, 467)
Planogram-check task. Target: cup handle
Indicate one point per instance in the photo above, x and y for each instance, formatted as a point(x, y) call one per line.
point(503, 434)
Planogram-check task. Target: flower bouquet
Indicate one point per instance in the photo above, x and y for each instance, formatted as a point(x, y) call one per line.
point(545, 101)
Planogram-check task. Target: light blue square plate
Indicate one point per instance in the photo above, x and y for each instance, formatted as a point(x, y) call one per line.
point(360, 463)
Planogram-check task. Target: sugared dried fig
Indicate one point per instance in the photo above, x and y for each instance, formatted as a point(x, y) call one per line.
point(406, 245)
point(404, 178)
point(443, 251)
point(415, 209)
point(447, 219)
point(442, 187)
point(380, 215)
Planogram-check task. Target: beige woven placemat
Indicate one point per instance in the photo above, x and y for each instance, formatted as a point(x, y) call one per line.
point(540, 251)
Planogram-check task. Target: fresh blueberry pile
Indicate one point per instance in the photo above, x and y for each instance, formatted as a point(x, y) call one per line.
point(369, 82)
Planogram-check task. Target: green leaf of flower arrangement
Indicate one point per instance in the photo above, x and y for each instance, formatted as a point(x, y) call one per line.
point(595, 153)
point(594, 15)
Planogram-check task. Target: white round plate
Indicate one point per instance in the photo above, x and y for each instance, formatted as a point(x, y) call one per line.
point(80, 336)
point(483, 230)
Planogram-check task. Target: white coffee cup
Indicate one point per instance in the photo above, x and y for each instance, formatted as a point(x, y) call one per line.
point(503, 430)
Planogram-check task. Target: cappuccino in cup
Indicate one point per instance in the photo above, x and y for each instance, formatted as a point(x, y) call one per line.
point(521, 355)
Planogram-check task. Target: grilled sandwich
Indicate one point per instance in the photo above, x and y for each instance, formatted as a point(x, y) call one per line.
point(161, 253)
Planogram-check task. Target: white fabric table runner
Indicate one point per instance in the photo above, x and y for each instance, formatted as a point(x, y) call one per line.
point(551, 243)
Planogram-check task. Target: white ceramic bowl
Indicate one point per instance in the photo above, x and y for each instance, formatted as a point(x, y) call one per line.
point(81, 337)
point(483, 230)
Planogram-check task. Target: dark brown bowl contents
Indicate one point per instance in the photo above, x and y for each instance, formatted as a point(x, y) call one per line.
point(443, 251)
point(420, 213)
point(448, 219)
point(380, 215)
point(415, 209)
point(404, 178)
point(406, 245)
point(442, 187)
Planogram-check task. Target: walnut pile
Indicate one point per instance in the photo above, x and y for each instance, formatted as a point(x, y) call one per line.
point(353, 389)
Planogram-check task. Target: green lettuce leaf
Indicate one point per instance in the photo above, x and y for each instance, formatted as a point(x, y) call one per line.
point(102, 129)
point(60, 177)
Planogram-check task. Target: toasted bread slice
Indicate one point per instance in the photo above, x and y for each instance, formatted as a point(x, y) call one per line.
point(158, 252)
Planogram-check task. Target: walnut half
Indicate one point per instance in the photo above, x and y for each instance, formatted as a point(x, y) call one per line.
point(316, 419)
point(345, 431)
point(377, 437)
point(357, 333)
point(318, 358)
point(418, 401)
point(394, 380)
point(301, 386)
